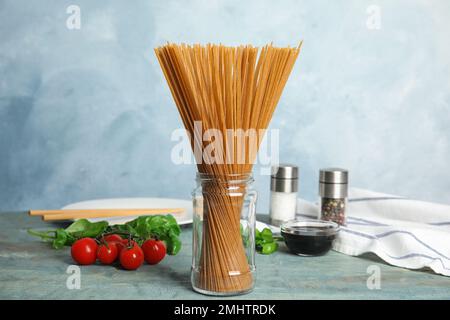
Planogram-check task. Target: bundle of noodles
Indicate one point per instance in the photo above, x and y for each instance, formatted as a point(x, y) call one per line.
point(225, 88)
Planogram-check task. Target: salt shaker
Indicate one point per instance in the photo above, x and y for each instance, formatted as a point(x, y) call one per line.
point(283, 193)
point(333, 189)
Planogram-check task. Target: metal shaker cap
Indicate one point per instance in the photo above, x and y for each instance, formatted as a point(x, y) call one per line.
point(333, 175)
point(333, 183)
point(284, 178)
point(285, 171)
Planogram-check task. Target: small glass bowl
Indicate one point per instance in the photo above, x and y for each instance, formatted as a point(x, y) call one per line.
point(309, 237)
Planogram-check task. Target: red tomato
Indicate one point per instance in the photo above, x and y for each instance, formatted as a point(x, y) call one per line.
point(123, 244)
point(131, 258)
point(84, 251)
point(107, 253)
point(154, 251)
point(113, 237)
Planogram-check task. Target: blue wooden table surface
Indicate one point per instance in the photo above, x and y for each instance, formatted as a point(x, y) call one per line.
point(30, 269)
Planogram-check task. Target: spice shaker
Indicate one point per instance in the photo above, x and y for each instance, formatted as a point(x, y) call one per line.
point(283, 193)
point(333, 189)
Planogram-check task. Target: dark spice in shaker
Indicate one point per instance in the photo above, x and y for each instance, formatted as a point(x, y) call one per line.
point(333, 189)
point(333, 210)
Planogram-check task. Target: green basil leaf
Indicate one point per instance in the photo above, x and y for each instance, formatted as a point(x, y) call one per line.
point(70, 239)
point(78, 226)
point(173, 224)
point(269, 248)
point(83, 228)
point(266, 234)
point(60, 239)
point(162, 227)
point(173, 245)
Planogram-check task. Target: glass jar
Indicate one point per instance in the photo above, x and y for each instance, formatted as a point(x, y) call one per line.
point(223, 248)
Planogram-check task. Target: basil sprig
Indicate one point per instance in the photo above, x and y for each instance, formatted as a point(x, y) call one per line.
point(140, 229)
point(265, 242)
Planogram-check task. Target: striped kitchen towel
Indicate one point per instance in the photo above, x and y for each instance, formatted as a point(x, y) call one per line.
point(403, 232)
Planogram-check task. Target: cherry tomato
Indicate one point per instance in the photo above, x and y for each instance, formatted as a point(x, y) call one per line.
point(113, 237)
point(123, 244)
point(107, 253)
point(84, 251)
point(154, 251)
point(131, 258)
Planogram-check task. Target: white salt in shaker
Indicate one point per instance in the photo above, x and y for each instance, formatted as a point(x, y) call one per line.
point(283, 193)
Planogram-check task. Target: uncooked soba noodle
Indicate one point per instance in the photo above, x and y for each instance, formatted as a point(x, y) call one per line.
point(225, 88)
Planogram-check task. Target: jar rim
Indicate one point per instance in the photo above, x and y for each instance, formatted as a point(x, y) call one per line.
point(228, 178)
point(310, 227)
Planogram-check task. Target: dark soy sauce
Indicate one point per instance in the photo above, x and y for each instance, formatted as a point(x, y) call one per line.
point(309, 240)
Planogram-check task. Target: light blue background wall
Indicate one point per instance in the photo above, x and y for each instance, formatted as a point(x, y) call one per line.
point(87, 114)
